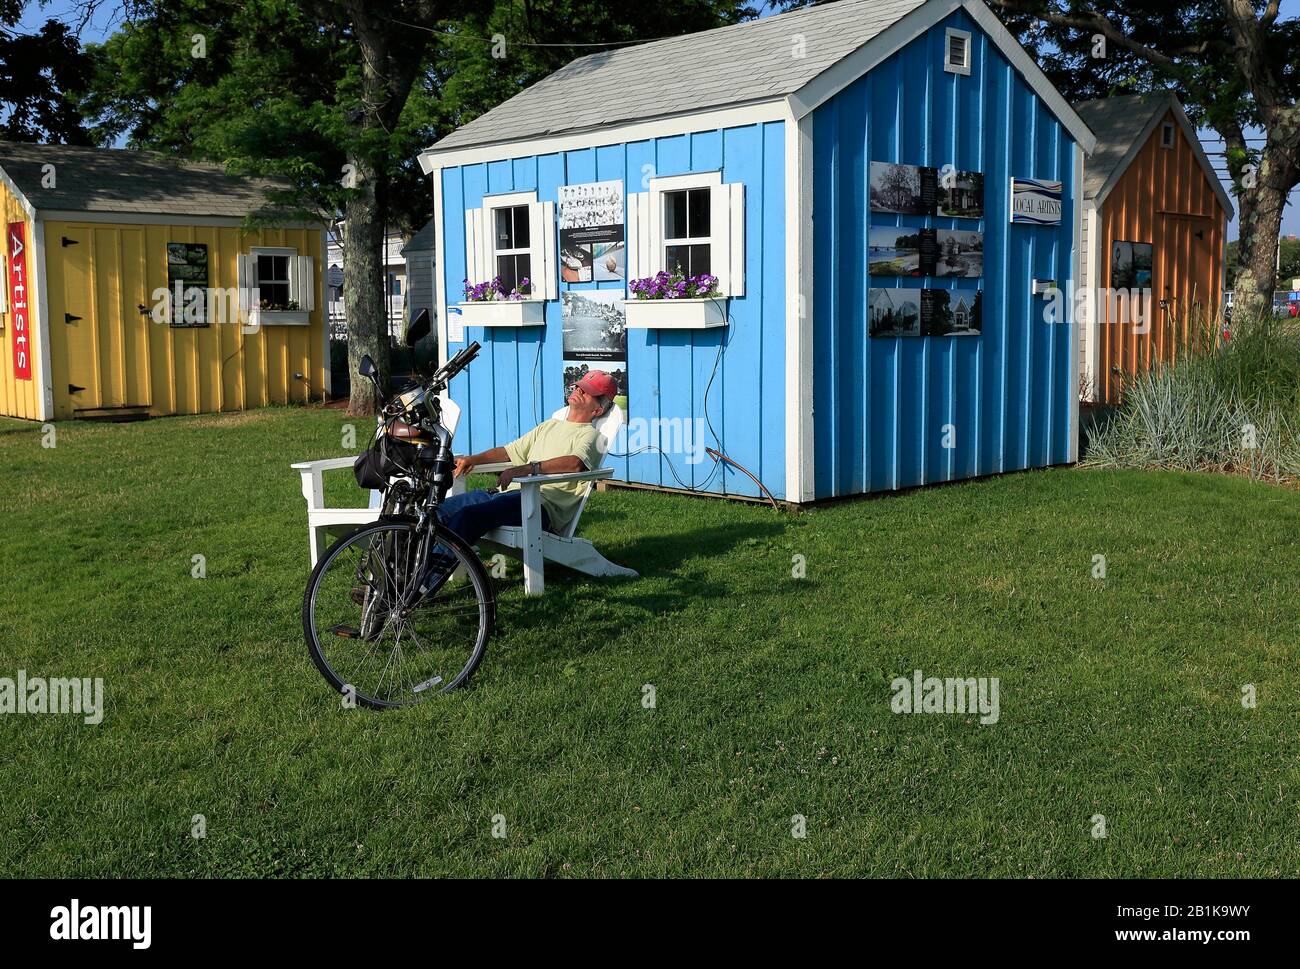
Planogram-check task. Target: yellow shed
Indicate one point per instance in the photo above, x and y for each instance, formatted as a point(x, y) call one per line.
point(131, 288)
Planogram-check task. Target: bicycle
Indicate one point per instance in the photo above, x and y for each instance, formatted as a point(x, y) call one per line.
point(402, 609)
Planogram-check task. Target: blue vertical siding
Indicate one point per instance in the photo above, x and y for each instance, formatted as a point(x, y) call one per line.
point(517, 379)
point(880, 404)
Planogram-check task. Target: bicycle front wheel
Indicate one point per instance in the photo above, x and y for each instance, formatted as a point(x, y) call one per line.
point(376, 636)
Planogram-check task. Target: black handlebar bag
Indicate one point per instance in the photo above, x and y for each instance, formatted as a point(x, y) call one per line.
point(386, 458)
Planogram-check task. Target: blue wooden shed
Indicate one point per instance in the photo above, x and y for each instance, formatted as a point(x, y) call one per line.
point(884, 189)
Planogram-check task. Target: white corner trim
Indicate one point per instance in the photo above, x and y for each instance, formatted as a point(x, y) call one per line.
point(1077, 256)
point(1091, 257)
point(439, 284)
point(44, 375)
point(756, 112)
point(799, 480)
point(948, 65)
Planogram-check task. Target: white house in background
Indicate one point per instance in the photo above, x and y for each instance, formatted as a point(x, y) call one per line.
point(394, 282)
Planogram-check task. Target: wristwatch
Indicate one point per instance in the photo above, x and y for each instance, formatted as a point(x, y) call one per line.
point(537, 467)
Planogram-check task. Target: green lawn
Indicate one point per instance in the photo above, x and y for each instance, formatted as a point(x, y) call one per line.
point(1119, 697)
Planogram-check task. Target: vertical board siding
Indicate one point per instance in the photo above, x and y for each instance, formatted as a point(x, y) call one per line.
point(1163, 198)
point(882, 405)
point(122, 358)
point(517, 379)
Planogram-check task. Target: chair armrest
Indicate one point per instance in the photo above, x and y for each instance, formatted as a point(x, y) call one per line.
point(494, 467)
point(541, 479)
point(329, 464)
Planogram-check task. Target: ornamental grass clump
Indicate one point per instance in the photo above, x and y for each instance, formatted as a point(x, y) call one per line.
point(662, 285)
point(1229, 402)
point(494, 289)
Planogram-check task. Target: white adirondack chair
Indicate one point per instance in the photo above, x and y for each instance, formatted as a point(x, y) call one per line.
point(527, 541)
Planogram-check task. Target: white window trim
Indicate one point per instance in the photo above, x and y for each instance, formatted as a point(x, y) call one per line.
point(480, 242)
point(1167, 137)
point(302, 284)
point(726, 239)
point(709, 240)
point(948, 65)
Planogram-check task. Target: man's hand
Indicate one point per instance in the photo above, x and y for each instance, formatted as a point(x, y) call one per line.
point(509, 475)
point(464, 465)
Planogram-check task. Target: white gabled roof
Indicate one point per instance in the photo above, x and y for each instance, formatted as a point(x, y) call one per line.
point(801, 58)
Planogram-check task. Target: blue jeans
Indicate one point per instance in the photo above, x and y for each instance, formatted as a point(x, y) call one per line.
point(475, 513)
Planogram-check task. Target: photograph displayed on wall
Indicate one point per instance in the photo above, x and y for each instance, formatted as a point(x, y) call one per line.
point(959, 252)
point(951, 312)
point(592, 246)
point(901, 251)
point(894, 312)
point(923, 312)
point(187, 283)
point(902, 189)
point(595, 337)
point(894, 251)
point(1130, 265)
point(920, 190)
point(963, 197)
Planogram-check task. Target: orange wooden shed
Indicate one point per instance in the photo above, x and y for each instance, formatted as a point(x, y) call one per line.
point(1154, 216)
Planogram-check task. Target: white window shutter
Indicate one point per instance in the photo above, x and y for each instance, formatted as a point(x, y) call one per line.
point(247, 278)
point(736, 191)
point(306, 283)
point(720, 232)
point(536, 250)
point(477, 247)
point(550, 281)
point(640, 245)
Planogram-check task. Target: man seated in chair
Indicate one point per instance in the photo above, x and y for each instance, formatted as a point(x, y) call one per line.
point(552, 447)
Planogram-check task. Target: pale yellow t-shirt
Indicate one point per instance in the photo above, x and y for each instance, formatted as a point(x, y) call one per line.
point(558, 439)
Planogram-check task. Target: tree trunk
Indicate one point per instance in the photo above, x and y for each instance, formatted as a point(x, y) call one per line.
point(1260, 230)
point(363, 267)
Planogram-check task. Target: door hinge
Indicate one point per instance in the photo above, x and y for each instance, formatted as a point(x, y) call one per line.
point(74, 389)
point(69, 318)
point(69, 242)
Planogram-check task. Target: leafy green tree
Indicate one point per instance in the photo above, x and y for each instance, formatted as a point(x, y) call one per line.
point(36, 72)
point(339, 96)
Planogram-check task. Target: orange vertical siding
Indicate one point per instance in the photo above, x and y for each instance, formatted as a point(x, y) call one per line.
point(1164, 198)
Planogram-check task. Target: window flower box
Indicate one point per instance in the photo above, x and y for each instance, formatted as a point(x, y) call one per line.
point(700, 313)
point(503, 312)
point(260, 317)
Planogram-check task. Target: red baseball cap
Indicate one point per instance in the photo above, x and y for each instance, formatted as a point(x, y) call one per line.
point(598, 384)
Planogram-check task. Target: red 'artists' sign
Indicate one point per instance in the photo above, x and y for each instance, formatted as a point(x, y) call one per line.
point(18, 303)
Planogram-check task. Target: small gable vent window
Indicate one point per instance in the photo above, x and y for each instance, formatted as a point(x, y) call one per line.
point(956, 57)
point(1167, 135)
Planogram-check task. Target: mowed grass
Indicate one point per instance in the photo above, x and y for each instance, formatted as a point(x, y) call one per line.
point(1119, 697)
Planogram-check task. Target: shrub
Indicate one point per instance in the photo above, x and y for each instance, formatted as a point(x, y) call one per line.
point(1229, 402)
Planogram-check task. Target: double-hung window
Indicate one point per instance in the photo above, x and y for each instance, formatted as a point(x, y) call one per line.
point(689, 225)
point(512, 235)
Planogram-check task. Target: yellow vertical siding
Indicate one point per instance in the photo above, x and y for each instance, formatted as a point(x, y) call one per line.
point(19, 398)
point(122, 358)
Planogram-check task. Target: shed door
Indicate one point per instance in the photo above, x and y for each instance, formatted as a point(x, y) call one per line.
point(72, 315)
point(104, 335)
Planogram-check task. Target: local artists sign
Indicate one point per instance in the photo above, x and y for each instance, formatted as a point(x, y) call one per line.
point(1035, 202)
point(18, 286)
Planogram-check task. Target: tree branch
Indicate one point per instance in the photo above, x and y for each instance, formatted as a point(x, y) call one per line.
point(1096, 23)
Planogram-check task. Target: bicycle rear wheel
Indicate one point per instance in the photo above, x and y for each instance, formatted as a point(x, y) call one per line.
point(373, 634)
